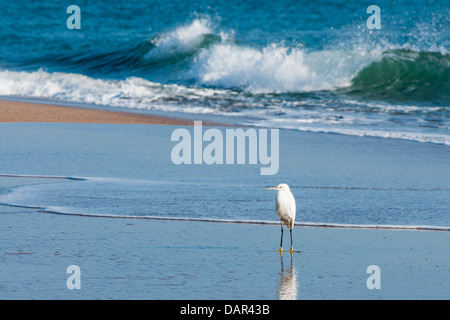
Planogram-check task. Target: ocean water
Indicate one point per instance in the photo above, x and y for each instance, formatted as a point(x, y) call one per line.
point(302, 65)
point(126, 171)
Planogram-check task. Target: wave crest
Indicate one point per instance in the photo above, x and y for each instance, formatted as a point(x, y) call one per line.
point(184, 39)
point(405, 75)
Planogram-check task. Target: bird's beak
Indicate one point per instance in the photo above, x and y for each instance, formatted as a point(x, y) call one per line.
point(274, 188)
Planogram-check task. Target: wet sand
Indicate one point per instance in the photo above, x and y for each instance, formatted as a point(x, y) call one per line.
point(153, 259)
point(149, 259)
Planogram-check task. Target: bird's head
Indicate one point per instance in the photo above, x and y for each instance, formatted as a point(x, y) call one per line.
point(280, 187)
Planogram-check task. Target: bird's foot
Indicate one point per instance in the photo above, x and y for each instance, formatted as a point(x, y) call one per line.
point(280, 250)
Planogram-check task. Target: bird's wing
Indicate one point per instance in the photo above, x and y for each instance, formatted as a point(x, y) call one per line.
point(292, 206)
point(292, 210)
point(286, 208)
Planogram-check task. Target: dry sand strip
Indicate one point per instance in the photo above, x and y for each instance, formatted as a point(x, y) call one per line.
point(11, 111)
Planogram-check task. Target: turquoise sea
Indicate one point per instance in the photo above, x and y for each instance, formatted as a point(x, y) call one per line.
point(292, 65)
point(364, 143)
point(303, 65)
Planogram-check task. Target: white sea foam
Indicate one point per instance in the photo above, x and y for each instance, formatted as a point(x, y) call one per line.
point(324, 126)
point(132, 92)
point(271, 69)
point(183, 39)
point(234, 71)
point(143, 94)
point(274, 68)
point(277, 68)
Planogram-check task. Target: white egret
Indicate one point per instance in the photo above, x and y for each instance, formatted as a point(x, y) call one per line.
point(285, 207)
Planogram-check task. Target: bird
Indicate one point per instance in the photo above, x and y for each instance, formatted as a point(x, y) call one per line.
point(286, 209)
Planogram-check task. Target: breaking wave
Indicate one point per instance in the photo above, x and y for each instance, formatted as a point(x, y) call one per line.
point(382, 90)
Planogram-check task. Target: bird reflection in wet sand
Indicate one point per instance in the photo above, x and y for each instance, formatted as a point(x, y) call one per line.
point(288, 287)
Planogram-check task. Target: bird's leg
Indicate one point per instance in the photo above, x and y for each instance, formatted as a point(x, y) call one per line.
point(281, 241)
point(292, 247)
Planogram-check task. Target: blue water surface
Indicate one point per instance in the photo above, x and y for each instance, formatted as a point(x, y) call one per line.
point(303, 65)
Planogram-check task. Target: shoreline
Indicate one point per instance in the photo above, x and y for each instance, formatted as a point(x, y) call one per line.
point(17, 178)
point(33, 112)
point(174, 259)
point(254, 222)
point(115, 259)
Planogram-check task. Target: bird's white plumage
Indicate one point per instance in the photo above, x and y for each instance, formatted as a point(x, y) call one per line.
point(286, 206)
point(286, 209)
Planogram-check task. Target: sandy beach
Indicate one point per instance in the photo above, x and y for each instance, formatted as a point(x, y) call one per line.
point(145, 149)
point(13, 111)
point(122, 257)
point(159, 260)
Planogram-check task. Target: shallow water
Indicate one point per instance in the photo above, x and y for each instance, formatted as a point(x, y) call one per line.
point(148, 259)
point(126, 170)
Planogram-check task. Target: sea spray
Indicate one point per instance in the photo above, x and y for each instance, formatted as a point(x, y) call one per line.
point(255, 65)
